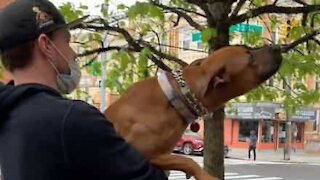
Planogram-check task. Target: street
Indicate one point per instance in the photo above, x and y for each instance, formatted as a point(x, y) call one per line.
point(260, 170)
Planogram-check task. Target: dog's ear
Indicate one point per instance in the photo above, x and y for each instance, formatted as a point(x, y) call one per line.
point(218, 78)
point(197, 62)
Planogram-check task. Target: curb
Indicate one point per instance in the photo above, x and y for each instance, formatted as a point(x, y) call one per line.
point(279, 161)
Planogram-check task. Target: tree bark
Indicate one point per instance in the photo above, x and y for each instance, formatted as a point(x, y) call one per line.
point(214, 123)
point(214, 143)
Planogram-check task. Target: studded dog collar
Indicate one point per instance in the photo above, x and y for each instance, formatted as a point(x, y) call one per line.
point(190, 108)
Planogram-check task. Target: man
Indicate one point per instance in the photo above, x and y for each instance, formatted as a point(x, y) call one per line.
point(252, 144)
point(44, 136)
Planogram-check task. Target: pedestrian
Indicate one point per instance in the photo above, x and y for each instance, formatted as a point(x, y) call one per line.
point(252, 144)
point(43, 135)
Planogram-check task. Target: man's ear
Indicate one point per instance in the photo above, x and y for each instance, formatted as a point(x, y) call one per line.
point(43, 44)
point(217, 78)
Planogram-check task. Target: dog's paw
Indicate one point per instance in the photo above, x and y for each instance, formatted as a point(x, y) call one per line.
point(188, 176)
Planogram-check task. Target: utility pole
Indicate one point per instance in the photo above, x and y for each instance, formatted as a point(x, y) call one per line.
point(103, 93)
point(103, 103)
point(287, 147)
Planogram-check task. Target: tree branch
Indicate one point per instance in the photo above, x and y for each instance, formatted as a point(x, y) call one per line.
point(161, 54)
point(188, 18)
point(100, 50)
point(202, 5)
point(275, 2)
point(237, 8)
point(133, 44)
point(274, 9)
point(300, 2)
point(307, 37)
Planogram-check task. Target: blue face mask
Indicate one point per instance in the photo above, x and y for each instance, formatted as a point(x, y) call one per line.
point(67, 82)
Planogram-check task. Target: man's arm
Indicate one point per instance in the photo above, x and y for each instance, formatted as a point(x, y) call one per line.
point(93, 148)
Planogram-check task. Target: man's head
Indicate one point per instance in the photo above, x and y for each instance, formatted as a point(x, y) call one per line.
point(34, 32)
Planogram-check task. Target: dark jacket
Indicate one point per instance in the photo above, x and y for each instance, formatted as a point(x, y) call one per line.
point(44, 136)
point(253, 139)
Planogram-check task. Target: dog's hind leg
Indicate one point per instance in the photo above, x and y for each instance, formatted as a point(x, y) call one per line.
point(181, 163)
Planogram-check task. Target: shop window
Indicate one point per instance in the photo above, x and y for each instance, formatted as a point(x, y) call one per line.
point(245, 128)
point(297, 131)
point(267, 131)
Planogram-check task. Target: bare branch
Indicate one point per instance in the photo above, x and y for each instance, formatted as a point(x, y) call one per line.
point(275, 2)
point(300, 2)
point(177, 22)
point(201, 4)
point(160, 54)
point(288, 47)
point(160, 63)
point(193, 12)
point(237, 8)
point(100, 50)
point(316, 40)
point(274, 9)
point(188, 18)
point(132, 43)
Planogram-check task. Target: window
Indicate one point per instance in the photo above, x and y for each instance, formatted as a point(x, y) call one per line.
point(267, 131)
point(186, 35)
point(199, 45)
point(297, 131)
point(315, 125)
point(185, 44)
point(245, 128)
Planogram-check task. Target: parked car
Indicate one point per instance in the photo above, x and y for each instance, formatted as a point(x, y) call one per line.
point(192, 143)
point(189, 143)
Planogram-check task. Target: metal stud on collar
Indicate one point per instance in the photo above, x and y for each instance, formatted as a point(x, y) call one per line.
point(193, 101)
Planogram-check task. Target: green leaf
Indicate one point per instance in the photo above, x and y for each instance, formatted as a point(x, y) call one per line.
point(124, 60)
point(122, 7)
point(207, 34)
point(156, 12)
point(133, 12)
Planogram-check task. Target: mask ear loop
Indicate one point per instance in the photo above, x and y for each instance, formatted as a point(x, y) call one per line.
point(59, 52)
point(54, 67)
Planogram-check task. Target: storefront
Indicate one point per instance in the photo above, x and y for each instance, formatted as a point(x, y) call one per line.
point(241, 118)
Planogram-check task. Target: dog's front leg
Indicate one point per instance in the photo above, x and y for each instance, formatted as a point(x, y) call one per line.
point(181, 163)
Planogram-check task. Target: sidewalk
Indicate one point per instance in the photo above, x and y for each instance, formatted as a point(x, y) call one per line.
point(276, 156)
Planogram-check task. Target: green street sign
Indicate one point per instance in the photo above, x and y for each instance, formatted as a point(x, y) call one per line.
point(196, 36)
point(246, 28)
point(242, 28)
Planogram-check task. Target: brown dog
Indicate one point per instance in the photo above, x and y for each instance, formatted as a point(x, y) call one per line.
point(146, 119)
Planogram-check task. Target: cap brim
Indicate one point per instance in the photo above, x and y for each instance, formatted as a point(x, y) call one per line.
point(78, 23)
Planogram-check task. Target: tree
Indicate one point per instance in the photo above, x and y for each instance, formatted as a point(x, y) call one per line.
point(149, 19)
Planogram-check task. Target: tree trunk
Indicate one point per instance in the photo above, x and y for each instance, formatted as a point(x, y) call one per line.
point(214, 123)
point(214, 143)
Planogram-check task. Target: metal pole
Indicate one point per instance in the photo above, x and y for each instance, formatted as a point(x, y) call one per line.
point(287, 147)
point(103, 103)
point(103, 60)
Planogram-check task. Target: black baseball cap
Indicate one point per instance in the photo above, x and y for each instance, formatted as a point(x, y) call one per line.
point(24, 20)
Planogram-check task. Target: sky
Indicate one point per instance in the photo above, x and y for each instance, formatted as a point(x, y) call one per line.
point(92, 3)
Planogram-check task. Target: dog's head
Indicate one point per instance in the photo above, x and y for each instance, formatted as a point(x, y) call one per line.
point(230, 72)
